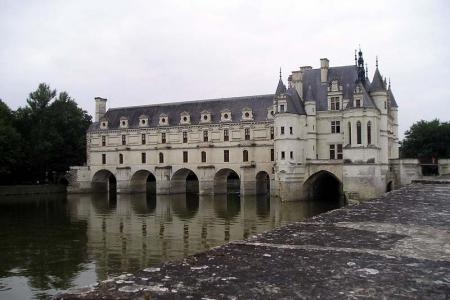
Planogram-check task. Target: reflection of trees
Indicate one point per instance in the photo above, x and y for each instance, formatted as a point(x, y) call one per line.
point(41, 242)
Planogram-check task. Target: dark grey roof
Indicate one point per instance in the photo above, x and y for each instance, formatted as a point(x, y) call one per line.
point(367, 100)
point(259, 105)
point(281, 88)
point(377, 82)
point(309, 96)
point(294, 103)
point(392, 98)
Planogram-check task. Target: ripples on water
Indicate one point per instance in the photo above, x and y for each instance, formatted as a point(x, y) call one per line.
point(57, 242)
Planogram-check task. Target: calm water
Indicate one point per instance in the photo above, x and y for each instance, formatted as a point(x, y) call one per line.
point(57, 242)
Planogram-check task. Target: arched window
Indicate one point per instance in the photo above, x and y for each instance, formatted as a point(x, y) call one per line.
point(349, 133)
point(245, 155)
point(161, 158)
point(120, 158)
point(203, 156)
point(358, 133)
point(369, 133)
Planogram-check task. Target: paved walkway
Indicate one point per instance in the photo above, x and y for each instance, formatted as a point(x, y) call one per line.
point(395, 246)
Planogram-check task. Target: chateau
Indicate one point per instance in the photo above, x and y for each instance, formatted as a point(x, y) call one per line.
point(329, 129)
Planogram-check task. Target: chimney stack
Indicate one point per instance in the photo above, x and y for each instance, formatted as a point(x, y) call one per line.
point(100, 108)
point(324, 65)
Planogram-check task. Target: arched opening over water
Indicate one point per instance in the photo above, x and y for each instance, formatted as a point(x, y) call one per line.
point(227, 181)
point(262, 183)
point(143, 181)
point(104, 181)
point(184, 181)
point(325, 187)
point(389, 186)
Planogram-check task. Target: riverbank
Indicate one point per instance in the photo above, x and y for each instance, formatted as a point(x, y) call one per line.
point(395, 246)
point(14, 190)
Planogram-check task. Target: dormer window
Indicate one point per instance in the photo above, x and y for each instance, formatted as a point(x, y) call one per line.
point(103, 123)
point(123, 122)
point(163, 120)
point(205, 117)
point(357, 102)
point(185, 118)
point(225, 115)
point(247, 114)
point(143, 121)
point(335, 103)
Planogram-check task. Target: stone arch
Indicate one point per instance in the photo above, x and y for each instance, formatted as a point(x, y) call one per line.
point(262, 183)
point(389, 186)
point(104, 181)
point(184, 181)
point(226, 181)
point(324, 186)
point(143, 181)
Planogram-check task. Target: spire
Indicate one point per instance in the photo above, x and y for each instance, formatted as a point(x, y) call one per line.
point(377, 82)
point(376, 62)
point(280, 73)
point(367, 72)
point(281, 88)
point(392, 101)
point(361, 72)
point(356, 59)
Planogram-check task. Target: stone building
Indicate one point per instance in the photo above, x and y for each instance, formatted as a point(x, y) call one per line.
point(329, 130)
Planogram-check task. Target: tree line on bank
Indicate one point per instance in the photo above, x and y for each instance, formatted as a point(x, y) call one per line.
point(40, 141)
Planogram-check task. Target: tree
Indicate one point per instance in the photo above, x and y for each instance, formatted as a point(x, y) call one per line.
point(10, 145)
point(426, 140)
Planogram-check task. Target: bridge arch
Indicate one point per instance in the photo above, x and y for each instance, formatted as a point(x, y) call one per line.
point(143, 181)
point(104, 181)
point(227, 181)
point(323, 186)
point(262, 183)
point(184, 181)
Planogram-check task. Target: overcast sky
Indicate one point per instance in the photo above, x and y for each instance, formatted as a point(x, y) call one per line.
point(144, 52)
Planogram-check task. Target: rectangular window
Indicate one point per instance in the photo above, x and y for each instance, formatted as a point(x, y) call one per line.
point(339, 151)
point(335, 103)
point(332, 152)
point(226, 155)
point(163, 138)
point(143, 157)
point(161, 158)
point(185, 156)
point(335, 126)
point(205, 135)
point(291, 131)
point(272, 155)
point(271, 133)
point(281, 108)
point(104, 159)
point(226, 135)
point(291, 155)
point(143, 139)
point(282, 129)
point(203, 156)
point(247, 134)
point(358, 103)
point(185, 139)
point(124, 139)
point(103, 140)
point(120, 158)
point(282, 155)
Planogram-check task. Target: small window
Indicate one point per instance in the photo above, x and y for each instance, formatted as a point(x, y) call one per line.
point(358, 103)
point(143, 157)
point(358, 133)
point(291, 131)
point(185, 119)
point(282, 155)
point(335, 103)
point(339, 151)
point(245, 155)
point(120, 158)
point(203, 156)
point(205, 117)
point(271, 133)
point(124, 123)
point(163, 138)
point(385, 106)
point(247, 115)
point(143, 122)
point(185, 137)
point(282, 108)
point(103, 140)
point(185, 156)
point(272, 154)
point(349, 133)
point(282, 129)
point(225, 116)
point(124, 139)
point(143, 140)
point(291, 154)
point(332, 152)
point(226, 155)
point(226, 135)
point(335, 126)
point(205, 135)
point(369, 133)
point(161, 158)
point(104, 159)
point(163, 120)
point(247, 134)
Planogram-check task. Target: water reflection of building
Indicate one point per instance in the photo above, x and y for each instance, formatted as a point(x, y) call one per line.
point(132, 231)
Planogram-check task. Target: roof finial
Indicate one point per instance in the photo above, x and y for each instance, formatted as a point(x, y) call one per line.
point(376, 62)
point(280, 73)
point(356, 59)
point(389, 82)
point(367, 71)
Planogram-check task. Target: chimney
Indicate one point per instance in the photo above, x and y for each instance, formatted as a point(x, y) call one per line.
point(100, 108)
point(324, 64)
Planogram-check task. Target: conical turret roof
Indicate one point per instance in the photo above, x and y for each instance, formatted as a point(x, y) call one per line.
point(281, 88)
point(377, 82)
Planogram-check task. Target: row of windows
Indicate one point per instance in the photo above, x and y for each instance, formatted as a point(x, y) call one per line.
point(226, 136)
point(226, 156)
point(359, 133)
point(291, 131)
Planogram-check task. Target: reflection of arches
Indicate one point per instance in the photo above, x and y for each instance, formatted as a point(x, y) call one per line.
point(63, 181)
point(184, 181)
point(104, 181)
point(389, 186)
point(262, 182)
point(143, 181)
point(323, 186)
point(227, 207)
point(185, 206)
point(226, 181)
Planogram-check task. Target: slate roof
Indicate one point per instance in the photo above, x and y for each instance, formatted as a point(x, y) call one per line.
point(281, 88)
point(377, 82)
point(392, 98)
point(259, 105)
point(294, 103)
